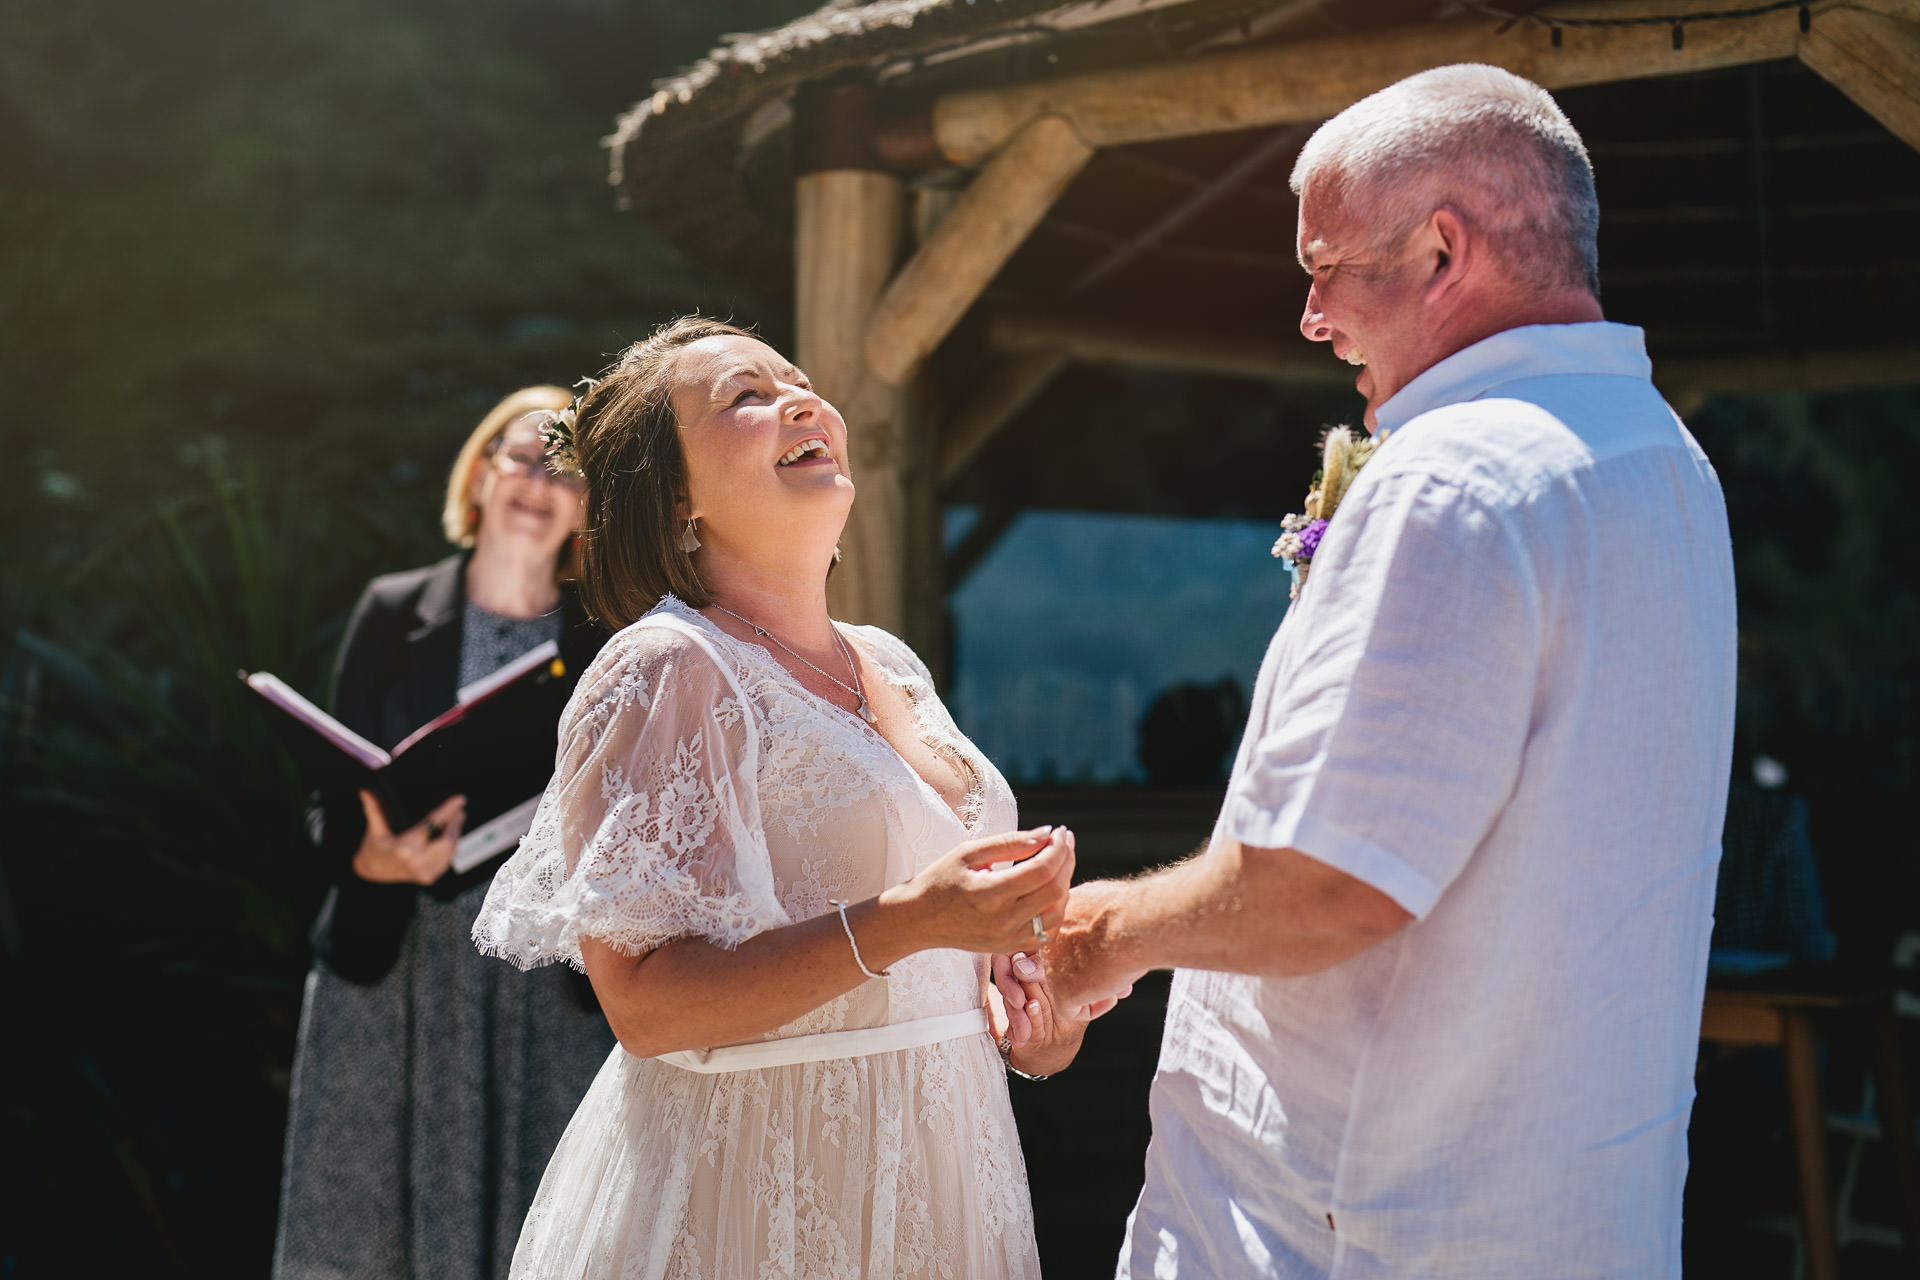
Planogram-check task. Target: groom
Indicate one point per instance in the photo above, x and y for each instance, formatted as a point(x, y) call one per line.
point(1440, 966)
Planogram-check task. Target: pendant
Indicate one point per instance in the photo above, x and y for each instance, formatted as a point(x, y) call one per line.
point(866, 712)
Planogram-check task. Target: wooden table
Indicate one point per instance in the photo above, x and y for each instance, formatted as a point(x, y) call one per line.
point(1786, 1015)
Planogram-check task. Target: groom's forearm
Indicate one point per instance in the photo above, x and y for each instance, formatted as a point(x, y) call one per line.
point(1269, 912)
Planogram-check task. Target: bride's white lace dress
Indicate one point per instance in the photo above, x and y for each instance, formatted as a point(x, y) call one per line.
point(700, 790)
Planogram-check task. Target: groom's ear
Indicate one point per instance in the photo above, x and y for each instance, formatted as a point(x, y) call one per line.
point(1447, 251)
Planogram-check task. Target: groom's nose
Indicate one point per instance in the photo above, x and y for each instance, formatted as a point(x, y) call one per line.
point(1313, 323)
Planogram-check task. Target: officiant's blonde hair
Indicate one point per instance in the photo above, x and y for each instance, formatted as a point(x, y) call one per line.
point(1494, 146)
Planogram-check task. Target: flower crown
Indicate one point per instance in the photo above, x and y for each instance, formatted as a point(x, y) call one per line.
point(557, 436)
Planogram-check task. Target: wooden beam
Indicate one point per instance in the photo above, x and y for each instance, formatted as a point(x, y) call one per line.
point(1905, 10)
point(1873, 59)
point(846, 230)
point(1204, 197)
point(1690, 383)
point(966, 250)
point(1300, 364)
point(1314, 79)
point(1173, 350)
point(1010, 388)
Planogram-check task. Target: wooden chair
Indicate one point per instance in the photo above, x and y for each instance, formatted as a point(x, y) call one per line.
point(1785, 1014)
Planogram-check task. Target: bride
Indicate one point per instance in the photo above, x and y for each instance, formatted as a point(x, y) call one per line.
point(783, 868)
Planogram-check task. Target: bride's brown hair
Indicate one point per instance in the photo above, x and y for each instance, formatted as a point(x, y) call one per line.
point(628, 444)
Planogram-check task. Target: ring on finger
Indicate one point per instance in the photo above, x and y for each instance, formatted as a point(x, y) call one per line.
point(1039, 929)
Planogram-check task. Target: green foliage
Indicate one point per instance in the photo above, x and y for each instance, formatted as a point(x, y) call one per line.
point(166, 885)
point(339, 228)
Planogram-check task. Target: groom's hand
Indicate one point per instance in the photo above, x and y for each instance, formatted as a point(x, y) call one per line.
point(1083, 961)
point(1041, 1036)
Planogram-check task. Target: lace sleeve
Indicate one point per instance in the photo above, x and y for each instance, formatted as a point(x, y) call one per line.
point(650, 828)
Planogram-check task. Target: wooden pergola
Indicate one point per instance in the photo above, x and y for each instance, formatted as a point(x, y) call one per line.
point(1018, 185)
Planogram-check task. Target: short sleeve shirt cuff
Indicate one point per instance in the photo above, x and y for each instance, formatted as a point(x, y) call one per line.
point(1333, 845)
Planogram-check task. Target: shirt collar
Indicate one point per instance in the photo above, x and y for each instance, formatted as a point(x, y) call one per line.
point(1530, 351)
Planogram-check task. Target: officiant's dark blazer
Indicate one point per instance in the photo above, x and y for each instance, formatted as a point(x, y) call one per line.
point(399, 667)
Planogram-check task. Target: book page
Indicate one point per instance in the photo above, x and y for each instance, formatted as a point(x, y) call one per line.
point(288, 699)
point(496, 836)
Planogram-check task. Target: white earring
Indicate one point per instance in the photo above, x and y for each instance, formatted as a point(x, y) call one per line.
point(689, 540)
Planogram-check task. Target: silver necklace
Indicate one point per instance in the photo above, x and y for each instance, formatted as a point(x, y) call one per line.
point(857, 689)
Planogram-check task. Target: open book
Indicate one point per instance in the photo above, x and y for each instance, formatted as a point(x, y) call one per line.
point(495, 746)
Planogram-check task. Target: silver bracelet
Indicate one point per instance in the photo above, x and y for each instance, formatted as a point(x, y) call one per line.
point(1006, 1059)
point(843, 904)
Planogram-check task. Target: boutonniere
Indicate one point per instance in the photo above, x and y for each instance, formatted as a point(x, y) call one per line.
point(1342, 456)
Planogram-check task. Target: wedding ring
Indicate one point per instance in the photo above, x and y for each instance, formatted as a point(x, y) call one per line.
point(1039, 930)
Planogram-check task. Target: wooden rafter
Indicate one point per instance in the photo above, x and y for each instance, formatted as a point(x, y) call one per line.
point(1204, 197)
point(1873, 59)
point(1010, 388)
point(1300, 364)
point(1173, 350)
point(1314, 79)
point(970, 245)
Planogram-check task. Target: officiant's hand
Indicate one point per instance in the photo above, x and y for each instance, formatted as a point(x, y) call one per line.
point(1041, 1034)
point(419, 855)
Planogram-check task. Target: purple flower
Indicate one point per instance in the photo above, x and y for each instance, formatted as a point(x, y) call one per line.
point(1310, 539)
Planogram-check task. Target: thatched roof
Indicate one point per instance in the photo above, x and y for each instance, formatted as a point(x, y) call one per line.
point(703, 159)
point(1743, 208)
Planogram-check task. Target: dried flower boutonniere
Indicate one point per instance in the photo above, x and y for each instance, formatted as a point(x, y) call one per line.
point(1342, 456)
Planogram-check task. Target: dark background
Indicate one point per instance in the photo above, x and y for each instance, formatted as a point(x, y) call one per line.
point(262, 266)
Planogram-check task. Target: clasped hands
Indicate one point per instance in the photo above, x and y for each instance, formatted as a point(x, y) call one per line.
point(1039, 1020)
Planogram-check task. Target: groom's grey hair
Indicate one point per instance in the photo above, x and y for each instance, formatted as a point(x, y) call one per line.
point(1496, 148)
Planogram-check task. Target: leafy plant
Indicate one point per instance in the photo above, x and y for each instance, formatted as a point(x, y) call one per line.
point(168, 823)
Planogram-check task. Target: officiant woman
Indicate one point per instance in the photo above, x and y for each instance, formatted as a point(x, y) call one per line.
point(430, 1085)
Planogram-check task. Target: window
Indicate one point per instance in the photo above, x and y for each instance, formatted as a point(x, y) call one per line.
point(1074, 626)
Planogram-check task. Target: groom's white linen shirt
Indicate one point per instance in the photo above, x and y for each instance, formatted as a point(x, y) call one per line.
point(1505, 699)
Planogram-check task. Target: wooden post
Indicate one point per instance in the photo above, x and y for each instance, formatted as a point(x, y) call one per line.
point(846, 235)
point(969, 246)
point(1873, 59)
point(1808, 1120)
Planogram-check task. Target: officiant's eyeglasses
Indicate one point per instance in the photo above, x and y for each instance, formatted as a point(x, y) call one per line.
point(531, 460)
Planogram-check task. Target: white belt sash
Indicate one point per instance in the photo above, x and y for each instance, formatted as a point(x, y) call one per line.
point(831, 1044)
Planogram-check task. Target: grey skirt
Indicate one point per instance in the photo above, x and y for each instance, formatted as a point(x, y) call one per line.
point(425, 1106)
